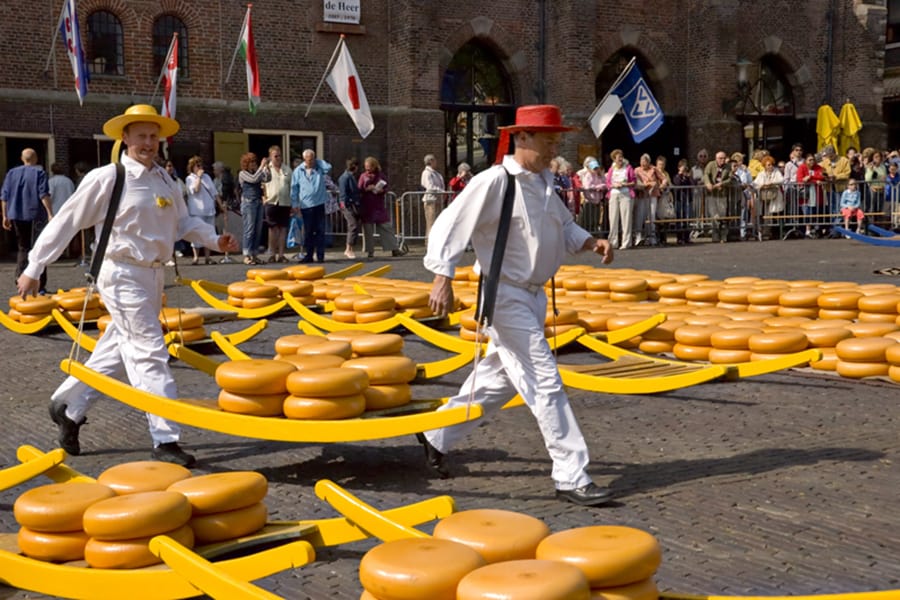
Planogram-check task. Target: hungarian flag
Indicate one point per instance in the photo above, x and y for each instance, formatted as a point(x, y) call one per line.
point(71, 35)
point(344, 82)
point(170, 79)
point(247, 49)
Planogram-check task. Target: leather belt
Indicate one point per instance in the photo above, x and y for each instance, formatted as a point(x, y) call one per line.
point(156, 264)
point(531, 288)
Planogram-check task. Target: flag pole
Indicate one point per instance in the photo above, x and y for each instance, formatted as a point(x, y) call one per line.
point(618, 80)
point(327, 70)
point(240, 39)
point(165, 66)
point(53, 41)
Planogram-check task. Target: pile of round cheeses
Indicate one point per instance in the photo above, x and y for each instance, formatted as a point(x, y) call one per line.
point(109, 523)
point(71, 303)
point(486, 553)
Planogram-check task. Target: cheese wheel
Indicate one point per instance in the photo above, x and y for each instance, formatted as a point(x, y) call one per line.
point(825, 324)
point(175, 319)
point(58, 507)
point(749, 315)
point(598, 284)
point(779, 322)
point(798, 311)
point(723, 356)
point(629, 285)
point(345, 301)
point(628, 296)
point(894, 373)
point(131, 554)
point(732, 339)
point(525, 580)
point(255, 376)
point(259, 405)
point(782, 342)
point(236, 289)
point(294, 288)
point(892, 354)
point(566, 316)
point(374, 304)
point(805, 298)
point(70, 301)
point(374, 316)
point(308, 300)
point(608, 555)
point(259, 302)
point(36, 305)
point(497, 535)
point(75, 315)
point(142, 476)
point(702, 293)
point(218, 527)
point(871, 329)
point(836, 313)
point(656, 347)
point(766, 295)
point(741, 280)
point(188, 336)
point(327, 383)
point(690, 352)
point(695, 335)
point(828, 362)
point(347, 335)
point(260, 290)
point(52, 547)
point(288, 344)
point(867, 349)
point(266, 274)
point(235, 301)
point(734, 295)
point(624, 320)
point(336, 289)
point(412, 300)
point(879, 303)
point(341, 349)
point(324, 409)
point(380, 397)
point(137, 515)
point(222, 492)
point(690, 277)
point(307, 272)
point(655, 281)
point(642, 590)
point(594, 321)
point(419, 312)
point(470, 336)
point(344, 316)
point(664, 332)
point(870, 317)
point(673, 290)
point(827, 337)
point(839, 300)
point(377, 344)
point(383, 370)
point(412, 568)
point(858, 370)
point(552, 331)
point(575, 283)
point(312, 361)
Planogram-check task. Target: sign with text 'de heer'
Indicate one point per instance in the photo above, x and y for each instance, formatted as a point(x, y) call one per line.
point(341, 11)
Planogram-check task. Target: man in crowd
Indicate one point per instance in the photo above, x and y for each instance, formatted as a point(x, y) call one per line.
point(26, 204)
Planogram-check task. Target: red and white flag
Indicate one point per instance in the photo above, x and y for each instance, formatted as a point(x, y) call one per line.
point(344, 82)
point(71, 35)
point(247, 48)
point(170, 79)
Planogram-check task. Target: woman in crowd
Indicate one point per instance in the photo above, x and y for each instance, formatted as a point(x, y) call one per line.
point(665, 197)
point(202, 202)
point(462, 177)
point(810, 178)
point(620, 181)
point(770, 192)
point(251, 179)
point(683, 191)
point(593, 186)
point(373, 210)
point(646, 195)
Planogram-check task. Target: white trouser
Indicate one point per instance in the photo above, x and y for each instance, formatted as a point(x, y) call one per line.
point(131, 345)
point(620, 206)
point(519, 360)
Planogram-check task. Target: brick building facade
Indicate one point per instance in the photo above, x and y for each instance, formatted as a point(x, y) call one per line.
point(440, 76)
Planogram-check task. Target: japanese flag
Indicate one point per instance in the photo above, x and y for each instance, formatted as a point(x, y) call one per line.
point(344, 82)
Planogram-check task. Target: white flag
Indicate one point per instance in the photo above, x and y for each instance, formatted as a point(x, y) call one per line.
point(344, 82)
point(604, 113)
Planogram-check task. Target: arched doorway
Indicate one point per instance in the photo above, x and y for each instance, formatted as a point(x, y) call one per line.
point(476, 97)
point(765, 108)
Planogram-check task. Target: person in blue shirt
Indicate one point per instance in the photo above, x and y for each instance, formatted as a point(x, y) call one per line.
point(850, 202)
point(308, 196)
point(25, 198)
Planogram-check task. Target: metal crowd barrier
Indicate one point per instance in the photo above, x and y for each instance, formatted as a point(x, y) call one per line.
point(412, 213)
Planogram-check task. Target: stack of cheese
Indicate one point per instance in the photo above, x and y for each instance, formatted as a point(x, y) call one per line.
point(74, 307)
point(362, 308)
point(186, 326)
point(388, 376)
point(250, 294)
point(304, 272)
point(253, 387)
point(31, 310)
point(323, 394)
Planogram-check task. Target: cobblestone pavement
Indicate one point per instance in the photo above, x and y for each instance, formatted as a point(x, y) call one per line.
point(781, 484)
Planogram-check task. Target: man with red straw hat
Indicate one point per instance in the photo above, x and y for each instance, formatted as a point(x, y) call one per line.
point(539, 233)
point(151, 216)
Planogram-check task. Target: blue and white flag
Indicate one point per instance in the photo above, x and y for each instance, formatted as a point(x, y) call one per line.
point(71, 35)
point(632, 94)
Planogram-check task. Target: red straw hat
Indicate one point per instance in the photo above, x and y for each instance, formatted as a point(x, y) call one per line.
point(534, 117)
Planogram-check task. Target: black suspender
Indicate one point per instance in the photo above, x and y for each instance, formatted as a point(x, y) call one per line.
point(100, 250)
point(487, 285)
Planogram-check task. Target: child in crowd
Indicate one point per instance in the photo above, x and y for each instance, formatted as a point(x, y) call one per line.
point(850, 202)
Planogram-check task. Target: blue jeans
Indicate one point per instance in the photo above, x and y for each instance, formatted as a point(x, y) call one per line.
point(314, 231)
point(252, 218)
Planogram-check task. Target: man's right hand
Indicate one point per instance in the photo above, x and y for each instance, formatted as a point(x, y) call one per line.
point(27, 286)
point(441, 298)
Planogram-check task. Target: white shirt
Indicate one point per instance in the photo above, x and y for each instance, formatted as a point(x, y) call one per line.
point(278, 188)
point(61, 188)
point(541, 232)
point(432, 181)
point(201, 203)
point(151, 217)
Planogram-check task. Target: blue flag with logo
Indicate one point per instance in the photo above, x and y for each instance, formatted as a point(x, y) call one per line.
point(632, 94)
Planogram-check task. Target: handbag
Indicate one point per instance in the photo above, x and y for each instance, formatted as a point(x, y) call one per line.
point(665, 209)
point(332, 205)
point(295, 233)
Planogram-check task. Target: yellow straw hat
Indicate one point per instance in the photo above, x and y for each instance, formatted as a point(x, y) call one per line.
point(140, 113)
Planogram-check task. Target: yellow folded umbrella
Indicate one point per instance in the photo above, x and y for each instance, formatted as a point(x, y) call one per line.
point(850, 126)
point(827, 127)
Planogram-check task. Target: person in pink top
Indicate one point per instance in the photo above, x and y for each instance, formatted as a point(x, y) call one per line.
point(810, 178)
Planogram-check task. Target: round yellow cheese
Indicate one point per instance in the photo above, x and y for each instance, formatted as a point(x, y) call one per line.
point(347, 335)
point(327, 383)
point(255, 376)
point(894, 373)
point(608, 555)
point(236, 289)
point(58, 507)
point(326, 346)
point(374, 304)
point(702, 293)
point(871, 329)
point(695, 335)
point(222, 492)
point(260, 405)
point(374, 316)
point(628, 296)
point(137, 515)
point(70, 301)
point(525, 580)
point(377, 344)
point(781, 342)
point(858, 370)
point(766, 295)
point(412, 300)
point(732, 339)
point(837, 313)
point(656, 347)
point(52, 547)
point(324, 409)
point(258, 302)
point(497, 535)
point(630, 285)
point(306, 272)
point(690, 352)
point(312, 361)
point(174, 319)
point(879, 303)
point(260, 290)
point(384, 370)
point(828, 362)
point(804, 297)
point(867, 349)
point(826, 337)
point(133, 553)
point(294, 288)
point(417, 568)
point(288, 344)
point(380, 397)
point(873, 317)
point(36, 305)
point(345, 301)
point(266, 274)
point(142, 476)
point(218, 527)
point(720, 356)
point(642, 590)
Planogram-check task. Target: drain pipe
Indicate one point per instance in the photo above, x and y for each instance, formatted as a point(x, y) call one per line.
point(829, 50)
point(541, 88)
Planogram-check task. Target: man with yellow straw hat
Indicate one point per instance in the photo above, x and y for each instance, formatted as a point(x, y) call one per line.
point(149, 219)
point(539, 233)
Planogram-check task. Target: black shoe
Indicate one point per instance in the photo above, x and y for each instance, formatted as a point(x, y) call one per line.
point(588, 495)
point(172, 452)
point(434, 458)
point(68, 429)
point(307, 259)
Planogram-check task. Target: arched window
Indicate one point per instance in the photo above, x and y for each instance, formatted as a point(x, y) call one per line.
point(105, 53)
point(163, 28)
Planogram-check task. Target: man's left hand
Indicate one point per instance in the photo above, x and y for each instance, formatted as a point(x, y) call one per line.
point(27, 286)
point(604, 249)
point(228, 243)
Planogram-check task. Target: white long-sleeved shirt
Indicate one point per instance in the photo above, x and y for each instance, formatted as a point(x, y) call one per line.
point(150, 218)
point(541, 231)
point(432, 181)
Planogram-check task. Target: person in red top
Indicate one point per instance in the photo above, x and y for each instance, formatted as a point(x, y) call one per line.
point(809, 179)
point(459, 181)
